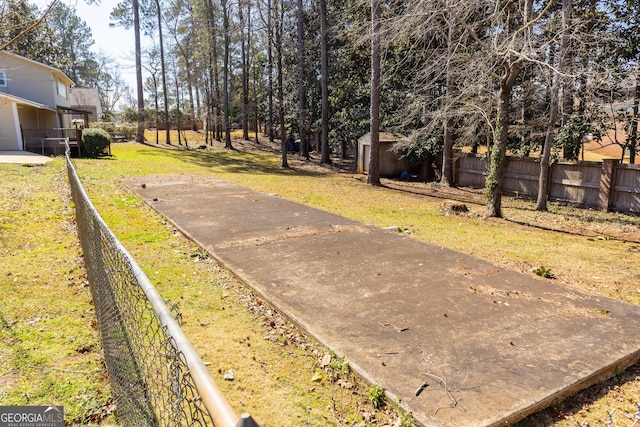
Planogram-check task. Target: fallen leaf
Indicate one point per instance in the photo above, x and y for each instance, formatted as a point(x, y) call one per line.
point(326, 359)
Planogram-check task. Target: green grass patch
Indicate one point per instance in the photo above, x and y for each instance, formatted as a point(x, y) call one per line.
point(49, 352)
point(230, 327)
point(521, 241)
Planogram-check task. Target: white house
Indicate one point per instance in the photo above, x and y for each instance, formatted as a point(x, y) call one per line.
point(34, 104)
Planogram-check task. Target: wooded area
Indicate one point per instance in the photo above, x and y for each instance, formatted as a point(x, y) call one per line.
point(521, 77)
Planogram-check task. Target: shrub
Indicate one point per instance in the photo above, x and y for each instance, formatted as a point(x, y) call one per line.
point(118, 131)
point(127, 130)
point(95, 141)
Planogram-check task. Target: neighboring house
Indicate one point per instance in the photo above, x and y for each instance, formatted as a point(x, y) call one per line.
point(34, 104)
point(390, 164)
point(87, 100)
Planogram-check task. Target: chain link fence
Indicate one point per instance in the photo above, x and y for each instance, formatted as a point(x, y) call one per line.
point(156, 376)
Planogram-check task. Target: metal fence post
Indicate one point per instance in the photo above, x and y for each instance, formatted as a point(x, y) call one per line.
point(246, 421)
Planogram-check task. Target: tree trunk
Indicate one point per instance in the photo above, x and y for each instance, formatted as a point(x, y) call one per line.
point(214, 71)
point(165, 95)
point(244, 57)
point(566, 58)
point(198, 110)
point(499, 161)
point(279, 48)
point(155, 99)
point(190, 85)
point(447, 151)
point(302, 85)
point(324, 66)
point(270, 67)
point(255, 73)
point(139, 87)
point(178, 112)
point(374, 163)
point(633, 136)
point(543, 181)
point(225, 74)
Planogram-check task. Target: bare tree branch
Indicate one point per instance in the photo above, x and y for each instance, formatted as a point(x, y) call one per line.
point(31, 27)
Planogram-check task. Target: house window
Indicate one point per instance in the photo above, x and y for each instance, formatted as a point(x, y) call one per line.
point(62, 89)
point(3, 78)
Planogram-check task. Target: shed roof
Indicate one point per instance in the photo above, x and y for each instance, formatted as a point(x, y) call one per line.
point(384, 137)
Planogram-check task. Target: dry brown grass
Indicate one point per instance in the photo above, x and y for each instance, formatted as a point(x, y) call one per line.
point(590, 251)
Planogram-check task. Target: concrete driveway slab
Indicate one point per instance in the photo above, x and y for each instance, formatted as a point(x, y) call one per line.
point(23, 158)
point(458, 340)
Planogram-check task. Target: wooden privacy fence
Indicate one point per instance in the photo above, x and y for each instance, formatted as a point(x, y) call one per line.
point(608, 186)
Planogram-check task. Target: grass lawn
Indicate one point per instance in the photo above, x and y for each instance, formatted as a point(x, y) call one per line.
point(49, 351)
point(46, 316)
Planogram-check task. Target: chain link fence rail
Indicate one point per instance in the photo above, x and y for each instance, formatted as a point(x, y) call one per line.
point(156, 376)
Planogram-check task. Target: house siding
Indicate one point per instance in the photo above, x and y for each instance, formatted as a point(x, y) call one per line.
point(8, 137)
point(29, 100)
point(32, 118)
point(32, 81)
point(61, 92)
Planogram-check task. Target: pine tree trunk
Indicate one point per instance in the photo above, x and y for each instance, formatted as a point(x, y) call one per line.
point(225, 73)
point(302, 85)
point(324, 65)
point(139, 87)
point(270, 68)
point(214, 71)
point(279, 48)
point(244, 57)
point(165, 94)
point(374, 163)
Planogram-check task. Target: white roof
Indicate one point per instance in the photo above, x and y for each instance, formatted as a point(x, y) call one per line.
point(25, 102)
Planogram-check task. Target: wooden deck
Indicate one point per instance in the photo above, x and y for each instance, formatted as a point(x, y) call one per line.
point(52, 141)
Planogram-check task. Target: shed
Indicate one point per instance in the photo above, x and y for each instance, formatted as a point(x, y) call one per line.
point(390, 164)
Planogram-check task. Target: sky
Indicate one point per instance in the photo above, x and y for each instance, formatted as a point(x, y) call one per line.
point(115, 41)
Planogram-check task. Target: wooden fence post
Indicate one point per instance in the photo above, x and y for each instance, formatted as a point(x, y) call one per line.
point(455, 165)
point(607, 184)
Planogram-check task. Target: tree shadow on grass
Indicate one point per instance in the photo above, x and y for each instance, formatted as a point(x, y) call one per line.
point(235, 161)
point(541, 220)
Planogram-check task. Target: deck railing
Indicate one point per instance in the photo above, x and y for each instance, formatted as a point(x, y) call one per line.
point(51, 140)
